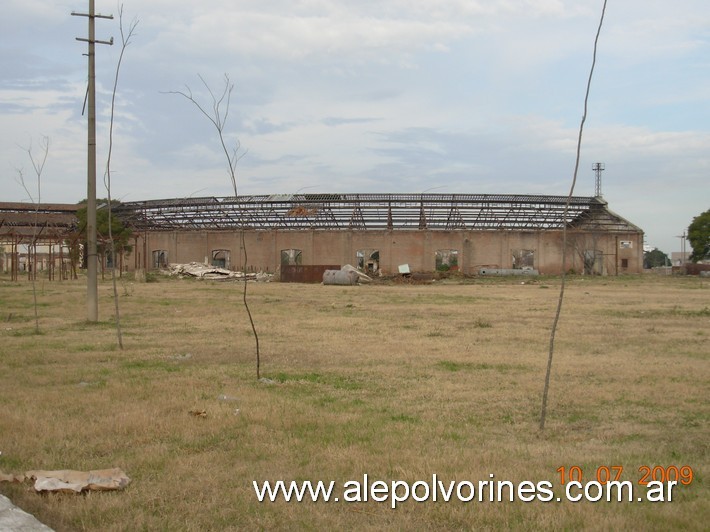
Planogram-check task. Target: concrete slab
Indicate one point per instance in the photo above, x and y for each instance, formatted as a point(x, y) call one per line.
point(13, 519)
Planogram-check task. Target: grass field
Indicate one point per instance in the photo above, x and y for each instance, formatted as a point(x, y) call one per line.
point(395, 381)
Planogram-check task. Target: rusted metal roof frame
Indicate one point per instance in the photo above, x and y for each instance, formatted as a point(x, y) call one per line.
point(434, 212)
point(42, 224)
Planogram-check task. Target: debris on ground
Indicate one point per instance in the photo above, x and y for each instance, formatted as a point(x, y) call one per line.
point(69, 481)
point(340, 277)
point(9, 477)
point(227, 398)
point(14, 518)
point(363, 278)
point(204, 271)
point(346, 276)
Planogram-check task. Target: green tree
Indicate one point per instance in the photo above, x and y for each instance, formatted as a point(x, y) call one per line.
point(699, 237)
point(655, 259)
point(121, 233)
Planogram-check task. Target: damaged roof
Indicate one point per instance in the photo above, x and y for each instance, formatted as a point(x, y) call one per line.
point(388, 212)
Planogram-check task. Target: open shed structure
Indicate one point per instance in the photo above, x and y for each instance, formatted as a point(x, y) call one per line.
point(37, 237)
point(380, 232)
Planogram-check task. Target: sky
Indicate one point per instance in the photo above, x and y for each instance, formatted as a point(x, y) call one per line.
point(373, 96)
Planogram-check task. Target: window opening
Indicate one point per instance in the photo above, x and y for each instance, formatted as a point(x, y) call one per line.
point(447, 260)
point(291, 257)
point(160, 258)
point(524, 259)
point(220, 258)
point(368, 260)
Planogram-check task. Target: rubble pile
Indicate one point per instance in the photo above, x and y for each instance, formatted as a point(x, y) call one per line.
point(204, 271)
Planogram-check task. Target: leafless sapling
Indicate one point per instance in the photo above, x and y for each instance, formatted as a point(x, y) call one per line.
point(218, 115)
point(126, 35)
point(38, 168)
point(553, 332)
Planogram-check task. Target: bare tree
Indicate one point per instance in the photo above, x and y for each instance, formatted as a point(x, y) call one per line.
point(218, 115)
point(125, 41)
point(584, 243)
point(38, 168)
point(548, 371)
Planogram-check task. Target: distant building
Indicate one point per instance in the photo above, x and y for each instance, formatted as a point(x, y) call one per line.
point(374, 232)
point(678, 258)
point(379, 232)
point(37, 238)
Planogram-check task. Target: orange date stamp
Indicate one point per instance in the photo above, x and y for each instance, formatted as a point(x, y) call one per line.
point(605, 474)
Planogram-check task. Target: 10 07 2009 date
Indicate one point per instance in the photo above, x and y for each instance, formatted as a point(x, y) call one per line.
point(603, 474)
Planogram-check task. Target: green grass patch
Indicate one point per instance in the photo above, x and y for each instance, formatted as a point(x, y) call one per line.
point(162, 365)
point(334, 381)
point(449, 365)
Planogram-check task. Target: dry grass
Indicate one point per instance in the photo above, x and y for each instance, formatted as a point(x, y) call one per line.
point(398, 382)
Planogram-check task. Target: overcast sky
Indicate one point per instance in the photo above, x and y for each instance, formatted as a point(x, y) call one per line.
point(445, 96)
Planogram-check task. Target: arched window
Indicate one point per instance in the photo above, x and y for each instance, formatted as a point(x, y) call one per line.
point(220, 258)
point(368, 260)
point(291, 257)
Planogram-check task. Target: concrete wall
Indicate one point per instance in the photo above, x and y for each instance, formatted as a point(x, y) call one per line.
point(617, 252)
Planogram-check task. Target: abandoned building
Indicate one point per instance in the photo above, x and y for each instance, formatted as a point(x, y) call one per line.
point(377, 233)
point(37, 238)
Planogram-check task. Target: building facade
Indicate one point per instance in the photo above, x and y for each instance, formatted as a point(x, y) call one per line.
point(378, 233)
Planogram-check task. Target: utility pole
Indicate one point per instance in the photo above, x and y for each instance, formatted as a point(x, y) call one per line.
point(598, 169)
point(682, 252)
point(92, 299)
